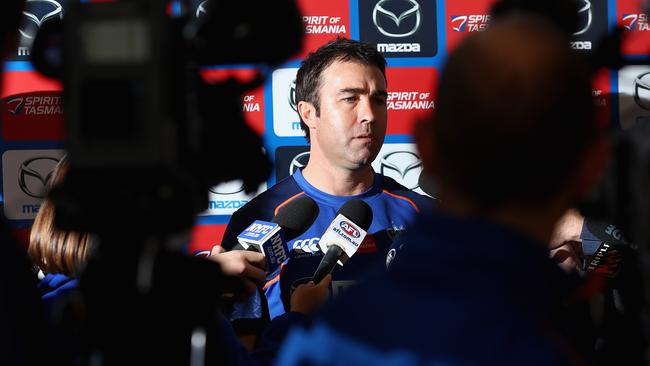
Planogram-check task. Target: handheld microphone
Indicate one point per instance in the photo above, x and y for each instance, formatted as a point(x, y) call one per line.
point(343, 237)
point(270, 238)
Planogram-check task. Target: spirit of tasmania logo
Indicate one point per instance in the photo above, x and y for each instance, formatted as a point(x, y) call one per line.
point(470, 23)
point(635, 22)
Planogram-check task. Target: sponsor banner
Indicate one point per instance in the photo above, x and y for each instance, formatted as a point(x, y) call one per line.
point(636, 26)
point(402, 163)
point(25, 174)
point(323, 21)
point(226, 198)
point(20, 82)
point(465, 17)
point(285, 116)
point(411, 96)
point(288, 159)
point(252, 101)
point(32, 116)
point(634, 96)
point(602, 98)
point(204, 237)
point(400, 28)
point(592, 25)
point(35, 14)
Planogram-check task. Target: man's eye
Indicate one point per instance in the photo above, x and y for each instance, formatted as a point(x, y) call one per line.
point(350, 99)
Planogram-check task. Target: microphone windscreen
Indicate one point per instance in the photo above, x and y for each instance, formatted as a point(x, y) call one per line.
point(358, 212)
point(296, 216)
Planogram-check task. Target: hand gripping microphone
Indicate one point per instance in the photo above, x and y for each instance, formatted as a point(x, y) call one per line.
point(270, 238)
point(344, 236)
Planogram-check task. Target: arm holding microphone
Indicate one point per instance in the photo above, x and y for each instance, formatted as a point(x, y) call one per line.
point(339, 243)
point(257, 256)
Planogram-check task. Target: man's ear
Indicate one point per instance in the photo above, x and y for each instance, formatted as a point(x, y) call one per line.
point(592, 166)
point(307, 112)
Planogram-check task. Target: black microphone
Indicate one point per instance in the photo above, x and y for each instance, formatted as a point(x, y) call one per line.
point(270, 238)
point(343, 237)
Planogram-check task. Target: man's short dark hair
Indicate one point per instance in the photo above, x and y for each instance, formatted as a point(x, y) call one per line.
point(514, 116)
point(308, 79)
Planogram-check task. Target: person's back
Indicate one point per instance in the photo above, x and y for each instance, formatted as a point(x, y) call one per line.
point(512, 144)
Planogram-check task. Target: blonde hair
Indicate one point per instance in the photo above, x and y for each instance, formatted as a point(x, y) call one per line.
point(54, 250)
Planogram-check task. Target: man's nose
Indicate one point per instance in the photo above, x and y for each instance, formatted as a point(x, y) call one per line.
point(366, 112)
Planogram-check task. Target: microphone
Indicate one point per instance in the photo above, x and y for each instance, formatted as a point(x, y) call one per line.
point(343, 237)
point(270, 238)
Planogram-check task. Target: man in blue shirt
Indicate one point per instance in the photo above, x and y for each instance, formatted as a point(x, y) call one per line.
point(512, 145)
point(341, 99)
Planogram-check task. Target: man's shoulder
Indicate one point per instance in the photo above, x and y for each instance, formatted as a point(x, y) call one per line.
point(392, 187)
point(264, 204)
point(261, 207)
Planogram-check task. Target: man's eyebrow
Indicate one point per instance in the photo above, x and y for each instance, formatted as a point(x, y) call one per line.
point(381, 93)
point(353, 91)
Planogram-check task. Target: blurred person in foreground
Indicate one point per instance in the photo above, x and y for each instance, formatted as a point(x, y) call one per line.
point(22, 322)
point(512, 145)
point(58, 255)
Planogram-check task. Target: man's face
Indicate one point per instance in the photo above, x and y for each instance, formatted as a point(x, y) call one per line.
point(350, 129)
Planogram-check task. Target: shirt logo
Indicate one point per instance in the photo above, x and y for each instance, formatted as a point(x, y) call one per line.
point(383, 17)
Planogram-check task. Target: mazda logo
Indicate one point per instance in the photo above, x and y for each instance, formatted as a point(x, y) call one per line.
point(35, 14)
point(403, 166)
point(292, 96)
point(642, 90)
point(228, 188)
point(34, 174)
point(586, 17)
point(200, 10)
point(299, 162)
point(384, 18)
